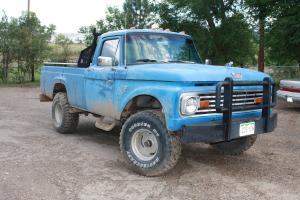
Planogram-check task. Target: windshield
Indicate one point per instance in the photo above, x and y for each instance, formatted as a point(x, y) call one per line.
point(163, 48)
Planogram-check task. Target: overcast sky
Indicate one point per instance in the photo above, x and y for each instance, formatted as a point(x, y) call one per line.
point(67, 15)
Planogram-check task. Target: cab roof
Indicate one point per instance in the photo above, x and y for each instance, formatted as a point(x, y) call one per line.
point(122, 32)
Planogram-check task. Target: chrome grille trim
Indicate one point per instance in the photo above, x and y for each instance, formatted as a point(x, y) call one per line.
point(238, 98)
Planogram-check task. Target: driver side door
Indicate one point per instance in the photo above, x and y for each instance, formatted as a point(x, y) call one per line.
point(100, 79)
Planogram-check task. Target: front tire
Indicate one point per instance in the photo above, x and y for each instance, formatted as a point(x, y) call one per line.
point(63, 120)
point(147, 146)
point(235, 147)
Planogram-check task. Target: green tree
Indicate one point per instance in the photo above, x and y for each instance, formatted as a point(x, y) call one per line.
point(114, 19)
point(260, 10)
point(139, 13)
point(34, 41)
point(7, 40)
point(17, 51)
point(134, 13)
point(100, 27)
point(220, 32)
point(65, 44)
point(283, 37)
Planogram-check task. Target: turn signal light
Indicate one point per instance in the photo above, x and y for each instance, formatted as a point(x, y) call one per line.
point(258, 100)
point(204, 104)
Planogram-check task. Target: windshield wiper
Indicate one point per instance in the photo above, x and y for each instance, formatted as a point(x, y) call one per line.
point(179, 61)
point(146, 60)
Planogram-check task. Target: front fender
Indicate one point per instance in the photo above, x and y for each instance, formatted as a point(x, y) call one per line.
point(165, 93)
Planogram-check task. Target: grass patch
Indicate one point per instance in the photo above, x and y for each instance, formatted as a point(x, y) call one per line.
point(25, 84)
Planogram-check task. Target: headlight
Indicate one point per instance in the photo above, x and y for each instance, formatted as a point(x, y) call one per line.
point(189, 105)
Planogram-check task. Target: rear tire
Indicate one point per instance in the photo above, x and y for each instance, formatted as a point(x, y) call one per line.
point(147, 146)
point(63, 120)
point(235, 147)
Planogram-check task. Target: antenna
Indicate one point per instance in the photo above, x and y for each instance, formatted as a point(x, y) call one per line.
point(125, 42)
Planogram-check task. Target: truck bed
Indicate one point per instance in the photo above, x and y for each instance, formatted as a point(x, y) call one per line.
point(70, 76)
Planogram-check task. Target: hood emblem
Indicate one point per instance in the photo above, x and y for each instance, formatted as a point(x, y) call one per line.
point(236, 75)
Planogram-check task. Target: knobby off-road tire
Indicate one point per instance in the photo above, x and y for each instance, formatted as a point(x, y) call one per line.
point(63, 120)
point(146, 144)
point(235, 147)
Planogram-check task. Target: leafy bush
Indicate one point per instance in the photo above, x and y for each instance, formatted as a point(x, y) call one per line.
point(284, 72)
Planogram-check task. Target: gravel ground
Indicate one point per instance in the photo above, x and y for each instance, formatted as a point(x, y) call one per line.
point(36, 162)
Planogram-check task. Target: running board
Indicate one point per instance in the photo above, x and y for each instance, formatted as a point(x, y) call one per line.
point(105, 123)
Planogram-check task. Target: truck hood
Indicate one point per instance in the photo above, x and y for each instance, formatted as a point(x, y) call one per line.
point(190, 72)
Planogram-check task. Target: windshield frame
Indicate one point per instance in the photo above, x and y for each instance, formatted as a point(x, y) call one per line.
point(187, 37)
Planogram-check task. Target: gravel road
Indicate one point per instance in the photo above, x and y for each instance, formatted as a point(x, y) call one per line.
point(36, 162)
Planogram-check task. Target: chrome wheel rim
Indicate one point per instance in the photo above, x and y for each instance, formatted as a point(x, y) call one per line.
point(58, 114)
point(144, 144)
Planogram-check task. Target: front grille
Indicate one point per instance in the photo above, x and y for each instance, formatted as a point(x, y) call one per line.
point(238, 98)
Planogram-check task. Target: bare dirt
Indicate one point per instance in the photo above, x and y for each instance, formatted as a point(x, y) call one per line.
point(36, 162)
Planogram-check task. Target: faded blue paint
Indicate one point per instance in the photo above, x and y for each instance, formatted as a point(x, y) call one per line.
point(122, 32)
point(188, 72)
point(107, 90)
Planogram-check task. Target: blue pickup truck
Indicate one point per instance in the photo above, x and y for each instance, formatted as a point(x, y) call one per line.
point(153, 85)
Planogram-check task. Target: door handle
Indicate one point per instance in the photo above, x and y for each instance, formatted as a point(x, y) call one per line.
point(109, 82)
point(90, 69)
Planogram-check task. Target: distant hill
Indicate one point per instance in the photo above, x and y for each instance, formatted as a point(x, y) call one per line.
point(75, 37)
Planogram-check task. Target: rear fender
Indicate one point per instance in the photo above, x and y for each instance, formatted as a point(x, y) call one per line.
point(59, 80)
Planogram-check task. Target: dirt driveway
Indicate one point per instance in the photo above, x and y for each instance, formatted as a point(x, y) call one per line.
point(38, 163)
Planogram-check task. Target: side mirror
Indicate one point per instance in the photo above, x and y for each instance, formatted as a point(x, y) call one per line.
point(105, 61)
point(208, 61)
point(230, 64)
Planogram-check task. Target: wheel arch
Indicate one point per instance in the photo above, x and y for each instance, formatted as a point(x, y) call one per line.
point(140, 102)
point(59, 86)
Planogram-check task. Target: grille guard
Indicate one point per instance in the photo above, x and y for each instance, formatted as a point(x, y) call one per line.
point(269, 101)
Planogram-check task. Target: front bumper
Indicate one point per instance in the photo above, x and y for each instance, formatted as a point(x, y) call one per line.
point(215, 131)
point(229, 128)
point(294, 96)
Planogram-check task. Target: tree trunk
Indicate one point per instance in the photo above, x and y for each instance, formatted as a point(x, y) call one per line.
point(211, 23)
point(19, 70)
point(261, 51)
point(5, 67)
point(32, 73)
point(223, 15)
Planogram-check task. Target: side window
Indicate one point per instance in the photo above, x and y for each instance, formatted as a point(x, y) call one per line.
point(111, 49)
